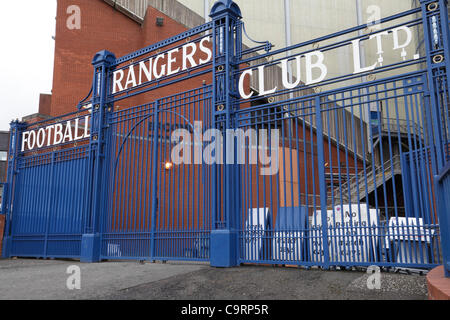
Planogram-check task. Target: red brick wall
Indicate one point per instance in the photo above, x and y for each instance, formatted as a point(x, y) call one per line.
point(45, 104)
point(103, 28)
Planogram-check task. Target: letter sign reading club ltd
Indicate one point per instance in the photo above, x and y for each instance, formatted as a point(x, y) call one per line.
point(311, 68)
point(163, 65)
point(55, 134)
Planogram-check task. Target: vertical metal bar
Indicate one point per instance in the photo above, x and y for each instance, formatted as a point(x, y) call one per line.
point(155, 188)
point(49, 207)
point(322, 184)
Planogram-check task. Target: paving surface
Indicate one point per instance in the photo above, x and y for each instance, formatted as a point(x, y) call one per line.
point(46, 279)
point(268, 283)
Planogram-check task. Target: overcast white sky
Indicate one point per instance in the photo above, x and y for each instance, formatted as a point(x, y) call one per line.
point(26, 56)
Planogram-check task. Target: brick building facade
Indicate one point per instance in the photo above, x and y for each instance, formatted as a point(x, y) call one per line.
point(103, 27)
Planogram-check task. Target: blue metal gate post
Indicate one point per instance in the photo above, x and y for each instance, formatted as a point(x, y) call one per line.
point(437, 65)
point(97, 190)
point(443, 198)
point(437, 44)
point(14, 144)
point(226, 17)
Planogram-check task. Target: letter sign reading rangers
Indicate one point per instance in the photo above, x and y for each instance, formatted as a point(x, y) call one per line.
point(163, 65)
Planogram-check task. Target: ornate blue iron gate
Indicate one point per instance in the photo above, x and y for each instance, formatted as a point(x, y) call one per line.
point(49, 192)
point(316, 168)
point(154, 212)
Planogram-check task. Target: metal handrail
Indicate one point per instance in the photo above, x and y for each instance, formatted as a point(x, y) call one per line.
point(401, 125)
point(350, 183)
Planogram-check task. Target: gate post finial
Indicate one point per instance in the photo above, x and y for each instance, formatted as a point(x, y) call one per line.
point(225, 6)
point(103, 57)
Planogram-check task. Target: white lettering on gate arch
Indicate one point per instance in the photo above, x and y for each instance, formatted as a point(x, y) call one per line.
point(189, 56)
point(162, 68)
point(170, 61)
point(313, 61)
point(402, 46)
point(55, 134)
point(40, 140)
point(314, 66)
point(131, 78)
point(206, 50)
point(241, 84)
point(31, 140)
point(58, 135)
point(146, 70)
point(318, 64)
point(117, 81)
point(285, 76)
point(163, 65)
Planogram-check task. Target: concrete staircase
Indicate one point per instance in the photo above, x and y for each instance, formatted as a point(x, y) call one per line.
point(355, 190)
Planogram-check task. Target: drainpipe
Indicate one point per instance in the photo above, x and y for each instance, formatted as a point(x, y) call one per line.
point(287, 32)
point(366, 114)
point(206, 10)
point(288, 40)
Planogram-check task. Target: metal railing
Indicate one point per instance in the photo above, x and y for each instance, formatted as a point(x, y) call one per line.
point(402, 126)
point(391, 168)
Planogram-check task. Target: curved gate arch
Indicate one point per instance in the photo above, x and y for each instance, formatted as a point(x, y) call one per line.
point(154, 212)
point(125, 139)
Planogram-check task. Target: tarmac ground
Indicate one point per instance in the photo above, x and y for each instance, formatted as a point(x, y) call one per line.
point(33, 279)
